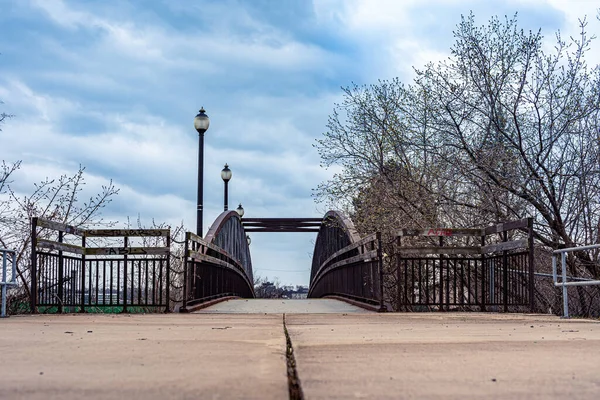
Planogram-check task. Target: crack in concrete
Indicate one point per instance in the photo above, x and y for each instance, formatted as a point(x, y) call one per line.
point(295, 390)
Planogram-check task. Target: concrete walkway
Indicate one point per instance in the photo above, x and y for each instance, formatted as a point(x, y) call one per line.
point(146, 357)
point(343, 355)
point(282, 306)
point(446, 356)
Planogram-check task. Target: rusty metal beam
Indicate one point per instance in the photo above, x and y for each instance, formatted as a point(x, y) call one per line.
point(282, 224)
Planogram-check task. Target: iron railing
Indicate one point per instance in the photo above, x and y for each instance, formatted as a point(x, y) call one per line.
point(466, 276)
point(5, 283)
point(456, 281)
point(354, 272)
point(69, 277)
point(210, 273)
point(564, 282)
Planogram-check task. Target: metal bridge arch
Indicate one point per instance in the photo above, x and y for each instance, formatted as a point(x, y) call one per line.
point(336, 232)
point(218, 265)
point(228, 233)
point(346, 266)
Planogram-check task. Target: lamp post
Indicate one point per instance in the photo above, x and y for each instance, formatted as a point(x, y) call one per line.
point(240, 210)
point(201, 123)
point(226, 176)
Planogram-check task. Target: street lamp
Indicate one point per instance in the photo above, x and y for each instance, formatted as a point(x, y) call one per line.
point(226, 176)
point(240, 210)
point(201, 123)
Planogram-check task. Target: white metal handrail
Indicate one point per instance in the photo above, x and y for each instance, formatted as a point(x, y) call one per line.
point(4, 283)
point(564, 283)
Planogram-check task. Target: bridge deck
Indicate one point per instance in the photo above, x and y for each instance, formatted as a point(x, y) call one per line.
point(446, 356)
point(343, 355)
point(282, 306)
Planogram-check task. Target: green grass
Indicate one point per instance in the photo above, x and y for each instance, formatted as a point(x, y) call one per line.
point(101, 310)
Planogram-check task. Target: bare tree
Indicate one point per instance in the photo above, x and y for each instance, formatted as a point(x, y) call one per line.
point(177, 257)
point(523, 123)
point(54, 199)
point(502, 129)
point(502, 126)
point(377, 138)
point(4, 116)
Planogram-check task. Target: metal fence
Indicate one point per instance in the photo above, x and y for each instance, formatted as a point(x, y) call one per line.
point(565, 282)
point(5, 283)
point(463, 281)
point(486, 276)
point(354, 272)
point(210, 272)
point(70, 278)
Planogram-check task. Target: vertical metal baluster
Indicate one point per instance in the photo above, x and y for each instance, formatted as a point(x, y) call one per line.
point(83, 264)
point(146, 285)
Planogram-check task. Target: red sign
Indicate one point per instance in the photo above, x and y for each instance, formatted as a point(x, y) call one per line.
point(439, 232)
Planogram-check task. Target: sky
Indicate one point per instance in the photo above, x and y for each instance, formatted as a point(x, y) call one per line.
point(114, 85)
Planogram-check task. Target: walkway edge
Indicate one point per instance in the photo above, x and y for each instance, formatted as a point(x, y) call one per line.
point(209, 303)
point(366, 306)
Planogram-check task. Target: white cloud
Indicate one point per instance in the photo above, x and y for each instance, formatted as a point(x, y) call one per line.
point(115, 87)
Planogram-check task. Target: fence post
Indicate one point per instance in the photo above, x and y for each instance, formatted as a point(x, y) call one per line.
point(380, 265)
point(441, 257)
point(531, 265)
point(125, 242)
point(5, 282)
point(82, 310)
point(505, 273)
point(61, 272)
point(482, 273)
point(168, 283)
point(563, 257)
point(492, 289)
point(398, 275)
point(185, 273)
point(34, 292)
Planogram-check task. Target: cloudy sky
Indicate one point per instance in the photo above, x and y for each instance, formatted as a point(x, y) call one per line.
point(114, 85)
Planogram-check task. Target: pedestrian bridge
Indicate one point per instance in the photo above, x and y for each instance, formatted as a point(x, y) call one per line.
point(129, 270)
point(344, 265)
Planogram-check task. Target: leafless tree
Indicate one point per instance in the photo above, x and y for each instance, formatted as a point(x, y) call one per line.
point(177, 258)
point(502, 129)
point(54, 199)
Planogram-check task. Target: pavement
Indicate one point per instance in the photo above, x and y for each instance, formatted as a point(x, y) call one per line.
point(282, 306)
point(154, 356)
point(446, 356)
point(339, 355)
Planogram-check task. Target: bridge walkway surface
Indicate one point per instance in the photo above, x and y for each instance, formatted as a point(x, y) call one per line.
point(340, 352)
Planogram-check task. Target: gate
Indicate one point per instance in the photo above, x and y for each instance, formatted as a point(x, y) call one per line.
point(68, 277)
point(466, 269)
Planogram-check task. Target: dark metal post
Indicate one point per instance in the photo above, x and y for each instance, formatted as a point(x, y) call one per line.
point(531, 266)
point(380, 265)
point(200, 182)
point(186, 284)
point(34, 292)
point(505, 273)
point(226, 207)
point(441, 244)
point(168, 283)
point(398, 274)
point(60, 275)
point(482, 273)
point(83, 277)
point(125, 242)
